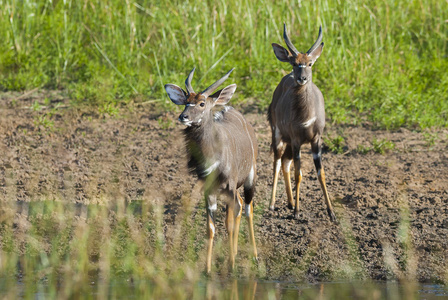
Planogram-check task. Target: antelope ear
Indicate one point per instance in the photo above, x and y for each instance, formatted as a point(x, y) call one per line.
point(176, 94)
point(281, 53)
point(317, 52)
point(215, 95)
point(225, 95)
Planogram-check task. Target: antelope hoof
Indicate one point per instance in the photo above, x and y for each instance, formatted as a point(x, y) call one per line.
point(290, 206)
point(296, 214)
point(271, 207)
point(332, 216)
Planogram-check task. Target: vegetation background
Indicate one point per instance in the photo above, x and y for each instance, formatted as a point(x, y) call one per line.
point(384, 61)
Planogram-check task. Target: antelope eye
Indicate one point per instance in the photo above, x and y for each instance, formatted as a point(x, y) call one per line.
point(202, 104)
point(310, 64)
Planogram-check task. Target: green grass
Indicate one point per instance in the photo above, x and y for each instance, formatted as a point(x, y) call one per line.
point(384, 61)
point(61, 250)
point(335, 145)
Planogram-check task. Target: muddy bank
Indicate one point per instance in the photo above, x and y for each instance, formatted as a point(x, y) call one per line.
point(392, 208)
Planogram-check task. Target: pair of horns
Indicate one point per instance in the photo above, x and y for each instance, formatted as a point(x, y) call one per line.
point(208, 90)
point(293, 49)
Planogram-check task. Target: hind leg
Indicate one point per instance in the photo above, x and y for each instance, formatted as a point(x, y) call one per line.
point(238, 212)
point(230, 224)
point(249, 192)
point(286, 164)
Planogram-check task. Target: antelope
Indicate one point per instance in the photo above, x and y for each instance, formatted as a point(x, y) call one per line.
point(297, 116)
point(222, 151)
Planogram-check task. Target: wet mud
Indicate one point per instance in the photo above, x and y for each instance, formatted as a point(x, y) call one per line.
point(392, 208)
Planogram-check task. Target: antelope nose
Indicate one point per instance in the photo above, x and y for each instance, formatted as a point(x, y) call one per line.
point(183, 117)
point(303, 78)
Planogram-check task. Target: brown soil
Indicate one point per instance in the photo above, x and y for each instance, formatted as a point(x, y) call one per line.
point(392, 208)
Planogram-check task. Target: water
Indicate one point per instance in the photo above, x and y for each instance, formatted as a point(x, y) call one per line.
point(232, 289)
point(331, 290)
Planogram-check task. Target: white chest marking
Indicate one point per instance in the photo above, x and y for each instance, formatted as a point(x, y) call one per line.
point(211, 168)
point(309, 122)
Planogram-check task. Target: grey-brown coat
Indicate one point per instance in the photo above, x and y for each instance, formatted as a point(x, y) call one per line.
point(222, 151)
point(297, 116)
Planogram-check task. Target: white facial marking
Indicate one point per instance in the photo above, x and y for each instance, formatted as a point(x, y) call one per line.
point(189, 104)
point(247, 210)
point(309, 122)
point(199, 121)
point(186, 122)
point(302, 66)
point(211, 168)
point(302, 82)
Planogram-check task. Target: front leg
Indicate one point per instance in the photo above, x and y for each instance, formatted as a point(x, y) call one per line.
point(297, 176)
point(286, 164)
point(316, 148)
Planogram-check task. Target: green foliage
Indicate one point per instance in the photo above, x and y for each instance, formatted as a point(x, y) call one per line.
point(383, 61)
point(36, 106)
point(336, 144)
point(430, 138)
point(362, 149)
point(109, 108)
point(58, 249)
point(378, 146)
point(382, 146)
point(44, 121)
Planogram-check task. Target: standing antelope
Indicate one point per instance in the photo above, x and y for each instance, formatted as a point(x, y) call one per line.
point(222, 151)
point(297, 116)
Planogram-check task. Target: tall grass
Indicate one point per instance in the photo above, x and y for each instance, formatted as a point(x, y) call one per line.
point(384, 61)
point(57, 250)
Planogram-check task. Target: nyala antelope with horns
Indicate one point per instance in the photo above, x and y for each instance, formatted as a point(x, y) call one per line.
point(222, 151)
point(297, 116)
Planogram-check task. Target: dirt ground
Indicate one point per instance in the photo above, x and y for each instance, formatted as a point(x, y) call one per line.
point(392, 208)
